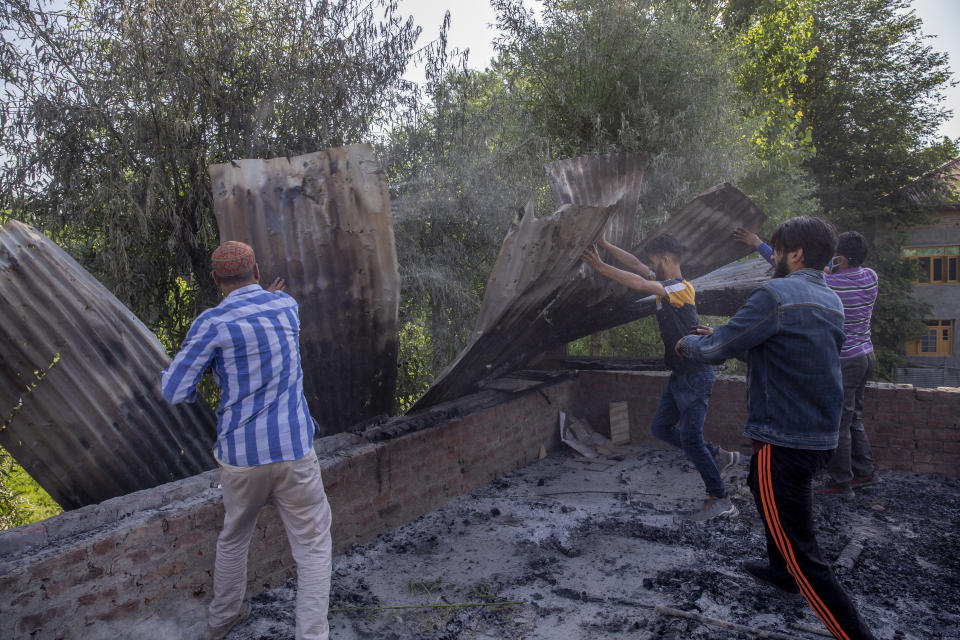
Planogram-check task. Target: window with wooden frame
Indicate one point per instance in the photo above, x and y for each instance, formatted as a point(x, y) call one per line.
point(936, 340)
point(935, 265)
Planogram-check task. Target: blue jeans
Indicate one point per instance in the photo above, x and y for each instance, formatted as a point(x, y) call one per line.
point(679, 422)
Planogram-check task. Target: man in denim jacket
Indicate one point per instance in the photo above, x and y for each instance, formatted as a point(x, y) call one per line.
point(791, 330)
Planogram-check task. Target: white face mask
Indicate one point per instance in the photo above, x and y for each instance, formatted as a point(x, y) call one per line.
point(833, 265)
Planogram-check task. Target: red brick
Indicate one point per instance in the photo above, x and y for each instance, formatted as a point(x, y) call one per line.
point(947, 469)
point(902, 444)
point(945, 458)
point(26, 598)
point(105, 546)
point(951, 408)
point(119, 611)
point(34, 622)
point(951, 447)
point(929, 445)
point(47, 567)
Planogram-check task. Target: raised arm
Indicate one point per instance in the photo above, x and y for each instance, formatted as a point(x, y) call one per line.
point(179, 380)
point(627, 259)
point(750, 238)
point(632, 280)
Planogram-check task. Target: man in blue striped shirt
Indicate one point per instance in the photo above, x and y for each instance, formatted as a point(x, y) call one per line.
point(264, 436)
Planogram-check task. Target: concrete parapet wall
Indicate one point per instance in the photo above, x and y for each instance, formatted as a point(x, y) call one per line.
point(141, 565)
point(909, 429)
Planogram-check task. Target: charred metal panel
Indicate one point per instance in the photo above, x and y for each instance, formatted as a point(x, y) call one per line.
point(322, 222)
point(704, 228)
point(80, 383)
point(722, 292)
point(539, 262)
point(538, 288)
point(519, 323)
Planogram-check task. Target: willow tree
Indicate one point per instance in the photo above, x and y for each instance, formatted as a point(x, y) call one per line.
point(870, 100)
point(115, 109)
point(576, 77)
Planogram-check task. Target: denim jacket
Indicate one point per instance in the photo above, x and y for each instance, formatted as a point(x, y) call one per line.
point(792, 330)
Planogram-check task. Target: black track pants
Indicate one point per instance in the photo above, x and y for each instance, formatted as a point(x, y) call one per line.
point(780, 479)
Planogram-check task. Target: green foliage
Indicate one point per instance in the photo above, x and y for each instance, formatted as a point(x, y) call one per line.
point(637, 339)
point(872, 100)
point(22, 500)
point(116, 109)
point(456, 178)
point(774, 49)
point(897, 318)
point(415, 361)
point(614, 75)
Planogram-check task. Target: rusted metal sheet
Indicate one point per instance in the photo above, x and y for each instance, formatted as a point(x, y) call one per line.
point(538, 288)
point(322, 222)
point(723, 291)
point(704, 227)
point(539, 259)
point(80, 382)
point(517, 324)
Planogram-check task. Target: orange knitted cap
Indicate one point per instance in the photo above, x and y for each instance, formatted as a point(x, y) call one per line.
point(233, 258)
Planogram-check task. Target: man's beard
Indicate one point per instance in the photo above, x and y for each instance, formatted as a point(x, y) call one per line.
point(781, 270)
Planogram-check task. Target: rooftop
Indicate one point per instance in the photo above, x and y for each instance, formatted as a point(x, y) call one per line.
point(589, 554)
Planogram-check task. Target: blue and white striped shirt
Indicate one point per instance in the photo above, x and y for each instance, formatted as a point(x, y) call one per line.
point(251, 340)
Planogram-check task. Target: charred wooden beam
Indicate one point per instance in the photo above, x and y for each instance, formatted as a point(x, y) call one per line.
point(322, 222)
point(519, 323)
point(80, 403)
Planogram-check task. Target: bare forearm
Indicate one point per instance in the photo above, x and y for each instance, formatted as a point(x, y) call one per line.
point(631, 280)
point(627, 259)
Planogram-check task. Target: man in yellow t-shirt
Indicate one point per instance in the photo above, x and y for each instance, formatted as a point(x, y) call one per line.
point(683, 405)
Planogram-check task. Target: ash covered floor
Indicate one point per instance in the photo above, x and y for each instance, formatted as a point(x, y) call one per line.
point(589, 554)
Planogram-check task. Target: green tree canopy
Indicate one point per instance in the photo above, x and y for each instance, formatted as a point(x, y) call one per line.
point(115, 110)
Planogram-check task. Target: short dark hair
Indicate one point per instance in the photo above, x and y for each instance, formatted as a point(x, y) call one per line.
point(815, 236)
point(664, 244)
point(852, 246)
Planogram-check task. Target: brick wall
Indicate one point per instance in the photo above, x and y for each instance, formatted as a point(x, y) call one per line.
point(141, 565)
point(909, 429)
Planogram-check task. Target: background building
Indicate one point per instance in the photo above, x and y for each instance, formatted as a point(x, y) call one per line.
point(934, 359)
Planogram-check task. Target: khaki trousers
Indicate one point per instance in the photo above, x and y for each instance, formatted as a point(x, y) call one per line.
point(297, 491)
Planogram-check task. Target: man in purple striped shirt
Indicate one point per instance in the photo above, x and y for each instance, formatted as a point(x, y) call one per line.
point(264, 437)
point(852, 464)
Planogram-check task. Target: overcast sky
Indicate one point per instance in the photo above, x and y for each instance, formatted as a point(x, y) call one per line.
point(471, 26)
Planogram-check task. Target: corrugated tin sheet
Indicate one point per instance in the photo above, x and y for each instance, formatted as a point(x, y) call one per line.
point(704, 228)
point(566, 300)
point(80, 403)
point(538, 284)
point(539, 260)
point(322, 222)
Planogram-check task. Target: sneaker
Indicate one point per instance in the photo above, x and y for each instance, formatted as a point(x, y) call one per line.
point(871, 480)
point(833, 489)
point(762, 572)
point(715, 508)
point(726, 460)
point(221, 630)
